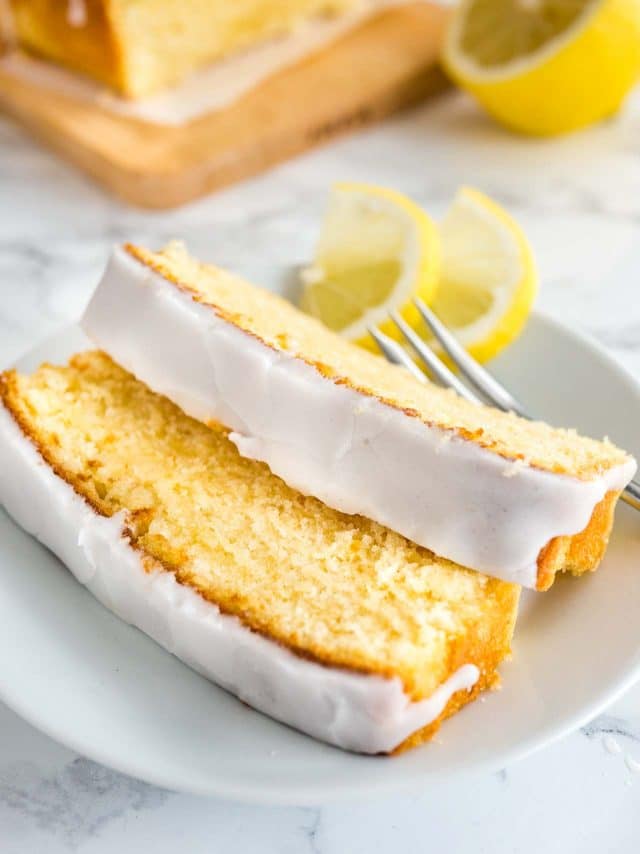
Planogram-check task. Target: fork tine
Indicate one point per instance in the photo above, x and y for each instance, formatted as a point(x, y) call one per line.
point(398, 356)
point(472, 370)
point(395, 353)
point(433, 363)
point(631, 494)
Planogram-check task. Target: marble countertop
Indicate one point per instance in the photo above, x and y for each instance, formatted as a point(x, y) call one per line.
point(579, 201)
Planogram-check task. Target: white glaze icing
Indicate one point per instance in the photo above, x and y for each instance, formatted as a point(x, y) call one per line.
point(368, 714)
point(632, 764)
point(611, 745)
point(352, 451)
point(77, 15)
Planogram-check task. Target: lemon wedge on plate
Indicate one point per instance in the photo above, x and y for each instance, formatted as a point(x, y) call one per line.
point(546, 66)
point(488, 278)
point(377, 250)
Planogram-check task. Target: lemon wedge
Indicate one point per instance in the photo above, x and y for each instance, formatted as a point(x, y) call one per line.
point(488, 278)
point(377, 250)
point(546, 66)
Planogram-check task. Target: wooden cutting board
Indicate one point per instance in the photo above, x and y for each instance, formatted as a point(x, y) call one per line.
point(387, 63)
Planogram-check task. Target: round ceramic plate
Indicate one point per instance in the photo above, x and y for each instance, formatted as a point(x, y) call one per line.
point(104, 689)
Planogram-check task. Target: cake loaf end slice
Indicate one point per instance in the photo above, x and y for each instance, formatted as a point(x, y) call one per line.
point(330, 623)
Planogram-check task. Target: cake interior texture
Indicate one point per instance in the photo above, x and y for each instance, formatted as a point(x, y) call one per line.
point(282, 326)
point(339, 590)
point(139, 47)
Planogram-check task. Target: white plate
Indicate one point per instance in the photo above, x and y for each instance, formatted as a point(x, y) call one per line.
point(104, 689)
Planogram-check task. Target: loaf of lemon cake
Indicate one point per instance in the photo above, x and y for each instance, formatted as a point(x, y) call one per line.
point(514, 499)
point(328, 622)
point(141, 46)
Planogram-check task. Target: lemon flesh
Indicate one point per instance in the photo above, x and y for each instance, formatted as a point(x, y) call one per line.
point(546, 66)
point(377, 250)
point(488, 279)
point(345, 296)
point(498, 32)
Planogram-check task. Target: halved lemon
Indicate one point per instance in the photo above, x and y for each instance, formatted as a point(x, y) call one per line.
point(377, 250)
point(546, 66)
point(488, 279)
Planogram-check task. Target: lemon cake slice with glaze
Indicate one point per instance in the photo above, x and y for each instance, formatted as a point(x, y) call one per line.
point(514, 499)
point(328, 622)
point(139, 47)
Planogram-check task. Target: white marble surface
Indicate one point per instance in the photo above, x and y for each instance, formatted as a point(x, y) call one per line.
point(579, 200)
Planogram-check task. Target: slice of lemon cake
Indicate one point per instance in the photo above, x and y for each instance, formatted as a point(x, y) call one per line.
point(328, 622)
point(141, 46)
point(514, 499)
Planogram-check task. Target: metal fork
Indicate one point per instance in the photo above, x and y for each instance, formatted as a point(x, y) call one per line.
point(479, 378)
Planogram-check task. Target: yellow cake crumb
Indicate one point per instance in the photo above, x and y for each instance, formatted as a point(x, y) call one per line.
point(338, 589)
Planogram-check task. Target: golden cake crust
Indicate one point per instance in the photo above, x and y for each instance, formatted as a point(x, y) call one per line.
point(488, 681)
point(583, 551)
point(43, 27)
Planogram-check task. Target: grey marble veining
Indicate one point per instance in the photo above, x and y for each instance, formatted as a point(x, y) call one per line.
point(579, 201)
point(574, 797)
point(76, 802)
point(605, 725)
